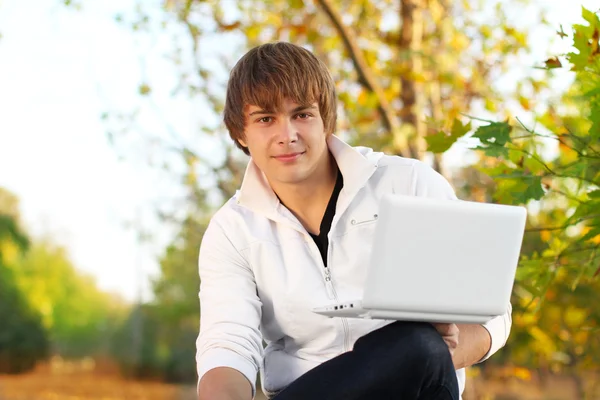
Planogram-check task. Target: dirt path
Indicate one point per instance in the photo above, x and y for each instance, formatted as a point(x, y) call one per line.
point(47, 384)
point(43, 385)
point(84, 386)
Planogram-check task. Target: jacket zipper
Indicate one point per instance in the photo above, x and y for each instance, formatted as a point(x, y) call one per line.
point(345, 327)
point(329, 287)
point(332, 295)
point(328, 284)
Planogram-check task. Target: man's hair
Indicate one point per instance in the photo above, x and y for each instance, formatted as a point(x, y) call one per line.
point(268, 74)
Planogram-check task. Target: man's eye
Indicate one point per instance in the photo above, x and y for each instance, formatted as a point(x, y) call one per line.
point(265, 119)
point(303, 115)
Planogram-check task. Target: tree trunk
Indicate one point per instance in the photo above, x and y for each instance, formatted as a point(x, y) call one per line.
point(411, 38)
point(435, 97)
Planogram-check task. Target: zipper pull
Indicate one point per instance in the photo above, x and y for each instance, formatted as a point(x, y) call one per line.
point(328, 284)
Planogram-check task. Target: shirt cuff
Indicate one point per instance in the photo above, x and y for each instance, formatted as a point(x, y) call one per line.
point(498, 330)
point(220, 357)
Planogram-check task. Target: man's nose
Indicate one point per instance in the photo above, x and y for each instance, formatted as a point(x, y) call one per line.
point(287, 133)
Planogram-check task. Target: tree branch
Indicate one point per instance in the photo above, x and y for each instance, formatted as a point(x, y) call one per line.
point(366, 77)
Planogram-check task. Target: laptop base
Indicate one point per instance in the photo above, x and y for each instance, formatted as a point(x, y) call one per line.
point(355, 310)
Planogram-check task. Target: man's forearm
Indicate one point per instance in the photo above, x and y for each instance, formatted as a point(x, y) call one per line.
point(474, 343)
point(224, 383)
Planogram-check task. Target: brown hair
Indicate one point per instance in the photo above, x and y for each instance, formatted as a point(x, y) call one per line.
point(268, 74)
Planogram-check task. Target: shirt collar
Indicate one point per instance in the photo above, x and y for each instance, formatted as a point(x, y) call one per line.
point(356, 168)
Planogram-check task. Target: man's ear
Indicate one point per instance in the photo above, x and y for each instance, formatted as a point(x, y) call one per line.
point(242, 142)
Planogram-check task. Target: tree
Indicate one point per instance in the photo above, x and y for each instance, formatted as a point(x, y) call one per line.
point(75, 317)
point(404, 69)
point(169, 323)
point(79, 317)
point(557, 286)
point(23, 340)
point(396, 63)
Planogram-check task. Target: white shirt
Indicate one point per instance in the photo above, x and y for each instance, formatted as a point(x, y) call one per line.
point(261, 272)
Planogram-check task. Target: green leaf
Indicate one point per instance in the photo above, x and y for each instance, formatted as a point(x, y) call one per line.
point(518, 188)
point(510, 191)
point(534, 190)
point(576, 169)
point(493, 150)
point(590, 17)
point(495, 133)
point(595, 194)
point(584, 210)
point(458, 129)
point(581, 43)
point(592, 92)
point(440, 142)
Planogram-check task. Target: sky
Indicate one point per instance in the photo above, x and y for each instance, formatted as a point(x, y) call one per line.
point(60, 69)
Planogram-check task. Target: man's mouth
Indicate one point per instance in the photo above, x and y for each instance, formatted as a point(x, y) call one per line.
point(289, 156)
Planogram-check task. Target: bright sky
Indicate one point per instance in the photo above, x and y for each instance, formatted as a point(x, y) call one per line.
point(59, 71)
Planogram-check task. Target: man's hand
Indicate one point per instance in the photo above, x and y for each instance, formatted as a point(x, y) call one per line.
point(450, 334)
point(475, 342)
point(224, 383)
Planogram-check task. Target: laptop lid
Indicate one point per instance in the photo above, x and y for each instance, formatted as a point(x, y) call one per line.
point(448, 256)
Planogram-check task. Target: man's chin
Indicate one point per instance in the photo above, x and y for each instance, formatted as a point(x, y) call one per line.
point(291, 179)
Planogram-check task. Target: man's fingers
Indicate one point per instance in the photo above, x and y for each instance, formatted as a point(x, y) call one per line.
point(444, 329)
point(453, 329)
point(450, 334)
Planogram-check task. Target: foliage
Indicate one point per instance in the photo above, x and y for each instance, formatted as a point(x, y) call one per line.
point(397, 63)
point(555, 170)
point(79, 317)
point(46, 304)
point(405, 71)
point(23, 339)
point(158, 339)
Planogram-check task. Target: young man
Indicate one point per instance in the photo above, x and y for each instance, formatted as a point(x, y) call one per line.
point(296, 236)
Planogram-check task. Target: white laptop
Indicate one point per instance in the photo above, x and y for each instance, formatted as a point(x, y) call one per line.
point(436, 260)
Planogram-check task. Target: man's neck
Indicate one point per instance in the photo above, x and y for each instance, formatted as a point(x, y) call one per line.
point(308, 201)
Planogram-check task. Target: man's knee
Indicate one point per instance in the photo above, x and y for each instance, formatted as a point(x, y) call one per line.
point(425, 346)
point(417, 344)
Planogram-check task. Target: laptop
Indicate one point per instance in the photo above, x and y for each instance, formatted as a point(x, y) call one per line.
point(437, 260)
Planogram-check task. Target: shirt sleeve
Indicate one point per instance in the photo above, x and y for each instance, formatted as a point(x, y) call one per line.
point(429, 183)
point(230, 309)
point(499, 329)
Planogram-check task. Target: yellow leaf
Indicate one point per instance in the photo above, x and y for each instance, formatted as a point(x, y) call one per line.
point(525, 319)
point(595, 239)
point(252, 32)
point(9, 251)
point(522, 373)
point(545, 235)
point(525, 103)
point(362, 98)
point(490, 105)
point(575, 316)
point(544, 343)
point(581, 337)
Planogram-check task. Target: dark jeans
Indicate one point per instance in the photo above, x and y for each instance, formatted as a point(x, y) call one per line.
point(403, 360)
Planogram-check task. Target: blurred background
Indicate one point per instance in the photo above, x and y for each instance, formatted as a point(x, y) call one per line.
point(113, 157)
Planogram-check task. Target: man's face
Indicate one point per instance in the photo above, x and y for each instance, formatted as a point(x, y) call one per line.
point(289, 146)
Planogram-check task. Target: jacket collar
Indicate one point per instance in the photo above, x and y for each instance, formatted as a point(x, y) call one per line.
point(356, 168)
